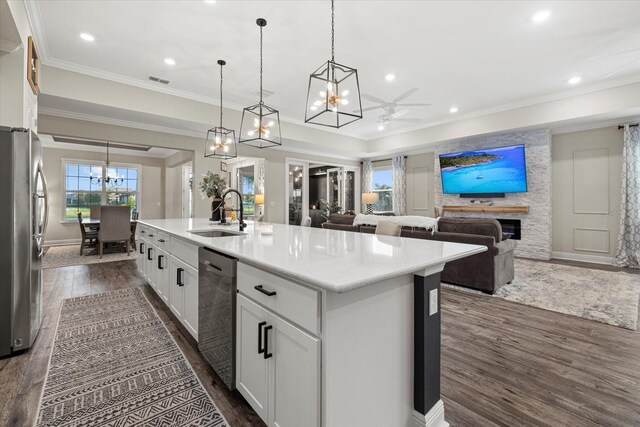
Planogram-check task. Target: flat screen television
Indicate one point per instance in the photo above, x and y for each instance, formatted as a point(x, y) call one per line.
point(490, 170)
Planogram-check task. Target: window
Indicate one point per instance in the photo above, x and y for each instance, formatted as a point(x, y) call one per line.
point(85, 187)
point(383, 185)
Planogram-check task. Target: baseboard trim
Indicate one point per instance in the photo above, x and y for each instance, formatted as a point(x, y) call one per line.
point(62, 242)
point(434, 418)
point(594, 259)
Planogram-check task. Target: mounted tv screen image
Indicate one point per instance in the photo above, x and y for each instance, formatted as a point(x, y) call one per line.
point(490, 170)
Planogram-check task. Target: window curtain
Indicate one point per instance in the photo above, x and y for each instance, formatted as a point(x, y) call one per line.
point(628, 253)
point(367, 176)
point(399, 185)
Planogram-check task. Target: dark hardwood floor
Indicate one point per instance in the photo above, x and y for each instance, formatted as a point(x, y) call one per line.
point(503, 364)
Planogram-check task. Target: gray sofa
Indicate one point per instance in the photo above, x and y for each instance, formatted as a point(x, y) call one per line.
point(487, 271)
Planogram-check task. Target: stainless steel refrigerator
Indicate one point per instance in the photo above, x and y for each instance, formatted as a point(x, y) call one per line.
point(23, 222)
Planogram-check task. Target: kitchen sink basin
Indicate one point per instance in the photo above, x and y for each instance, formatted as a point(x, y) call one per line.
point(216, 233)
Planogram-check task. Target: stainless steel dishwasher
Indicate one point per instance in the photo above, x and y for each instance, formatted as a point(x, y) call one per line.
point(217, 313)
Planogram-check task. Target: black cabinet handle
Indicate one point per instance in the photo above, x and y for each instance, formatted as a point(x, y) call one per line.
point(179, 281)
point(149, 254)
point(142, 248)
point(160, 257)
point(266, 342)
point(160, 240)
point(150, 235)
point(260, 325)
point(259, 288)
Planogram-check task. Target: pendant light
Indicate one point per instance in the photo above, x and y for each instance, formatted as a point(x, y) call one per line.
point(333, 97)
point(108, 180)
point(260, 126)
point(221, 142)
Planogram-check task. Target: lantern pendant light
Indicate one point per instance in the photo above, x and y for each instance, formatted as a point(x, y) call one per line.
point(260, 126)
point(221, 142)
point(333, 98)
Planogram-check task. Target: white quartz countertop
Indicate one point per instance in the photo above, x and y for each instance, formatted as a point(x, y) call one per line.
point(338, 261)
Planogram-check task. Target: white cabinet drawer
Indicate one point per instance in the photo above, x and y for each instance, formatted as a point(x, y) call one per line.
point(187, 252)
point(295, 302)
point(162, 240)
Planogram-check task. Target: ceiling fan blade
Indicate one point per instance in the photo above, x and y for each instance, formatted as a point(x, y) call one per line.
point(414, 105)
point(399, 114)
point(406, 95)
point(373, 98)
point(369, 108)
point(408, 120)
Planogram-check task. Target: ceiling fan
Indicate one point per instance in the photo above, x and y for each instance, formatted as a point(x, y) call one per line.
point(390, 107)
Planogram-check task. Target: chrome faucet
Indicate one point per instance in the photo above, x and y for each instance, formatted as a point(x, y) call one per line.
point(241, 224)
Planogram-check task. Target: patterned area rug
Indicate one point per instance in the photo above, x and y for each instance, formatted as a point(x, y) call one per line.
point(604, 296)
point(63, 256)
point(115, 363)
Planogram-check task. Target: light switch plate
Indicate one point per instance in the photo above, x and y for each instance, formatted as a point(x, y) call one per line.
point(433, 302)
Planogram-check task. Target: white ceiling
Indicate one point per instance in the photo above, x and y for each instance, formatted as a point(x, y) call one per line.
point(476, 55)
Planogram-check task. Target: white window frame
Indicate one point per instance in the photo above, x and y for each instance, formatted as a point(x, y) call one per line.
point(379, 168)
point(103, 195)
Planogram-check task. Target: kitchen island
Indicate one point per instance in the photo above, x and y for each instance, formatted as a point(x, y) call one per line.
point(333, 328)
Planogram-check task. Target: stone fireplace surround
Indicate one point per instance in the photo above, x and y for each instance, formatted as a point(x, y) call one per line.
point(536, 225)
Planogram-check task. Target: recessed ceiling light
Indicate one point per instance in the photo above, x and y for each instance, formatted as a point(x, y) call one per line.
point(453, 109)
point(381, 127)
point(574, 80)
point(541, 16)
point(390, 77)
point(169, 61)
point(87, 37)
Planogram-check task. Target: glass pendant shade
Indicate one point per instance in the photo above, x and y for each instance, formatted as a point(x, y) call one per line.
point(333, 98)
point(260, 125)
point(221, 142)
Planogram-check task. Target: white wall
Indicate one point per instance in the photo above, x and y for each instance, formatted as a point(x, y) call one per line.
point(587, 173)
point(151, 188)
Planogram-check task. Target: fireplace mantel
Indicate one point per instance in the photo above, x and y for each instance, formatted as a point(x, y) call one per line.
point(486, 208)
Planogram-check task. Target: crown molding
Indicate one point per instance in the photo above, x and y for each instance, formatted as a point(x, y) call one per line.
point(37, 26)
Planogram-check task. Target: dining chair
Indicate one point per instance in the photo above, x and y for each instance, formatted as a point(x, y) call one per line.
point(115, 227)
point(91, 236)
point(306, 222)
point(94, 211)
point(388, 228)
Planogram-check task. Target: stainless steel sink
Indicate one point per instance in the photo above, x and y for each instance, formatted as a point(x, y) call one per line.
point(216, 233)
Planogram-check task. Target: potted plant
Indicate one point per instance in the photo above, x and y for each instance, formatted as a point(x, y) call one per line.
point(329, 208)
point(212, 186)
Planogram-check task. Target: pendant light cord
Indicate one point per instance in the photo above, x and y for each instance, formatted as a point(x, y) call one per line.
point(220, 95)
point(333, 24)
point(261, 66)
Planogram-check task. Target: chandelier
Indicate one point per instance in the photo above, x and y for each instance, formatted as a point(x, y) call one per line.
point(260, 125)
point(109, 179)
point(221, 142)
point(333, 97)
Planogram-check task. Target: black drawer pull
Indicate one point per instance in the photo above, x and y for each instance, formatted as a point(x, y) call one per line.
point(266, 342)
point(179, 277)
point(160, 240)
point(142, 248)
point(160, 257)
point(149, 254)
point(259, 288)
point(150, 235)
point(260, 348)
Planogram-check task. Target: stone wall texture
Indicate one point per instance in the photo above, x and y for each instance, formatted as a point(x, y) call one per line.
point(536, 225)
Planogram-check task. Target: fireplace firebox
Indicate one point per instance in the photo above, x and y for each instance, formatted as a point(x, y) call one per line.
point(511, 227)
